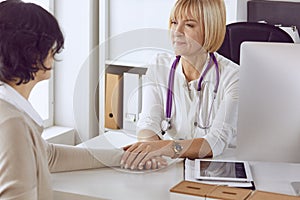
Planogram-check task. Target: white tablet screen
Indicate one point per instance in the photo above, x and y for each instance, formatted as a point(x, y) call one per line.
point(222, 170)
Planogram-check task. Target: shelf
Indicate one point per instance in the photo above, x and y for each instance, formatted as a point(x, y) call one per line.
point(119, 67)
point(126, 63)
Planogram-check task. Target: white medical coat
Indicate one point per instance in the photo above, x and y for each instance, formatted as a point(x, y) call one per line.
point(185, 103)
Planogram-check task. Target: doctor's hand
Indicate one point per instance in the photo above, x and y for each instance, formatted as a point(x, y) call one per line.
point(147, 155)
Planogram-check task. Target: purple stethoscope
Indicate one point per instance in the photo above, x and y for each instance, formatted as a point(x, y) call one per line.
point(166, 123)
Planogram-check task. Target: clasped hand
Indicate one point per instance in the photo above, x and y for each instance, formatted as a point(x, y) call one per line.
point(146, 155)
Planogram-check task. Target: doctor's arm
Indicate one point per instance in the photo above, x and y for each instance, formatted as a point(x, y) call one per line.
point(147, 135)
point(136, 155)
point(148, 126)
point(223, 130)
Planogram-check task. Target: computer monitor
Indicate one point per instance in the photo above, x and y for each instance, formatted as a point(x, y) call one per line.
point(269, 102)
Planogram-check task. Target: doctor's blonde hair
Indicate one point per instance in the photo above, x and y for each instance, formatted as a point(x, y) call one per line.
point(211, 14)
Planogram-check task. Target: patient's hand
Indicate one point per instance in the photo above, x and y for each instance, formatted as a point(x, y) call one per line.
point(154, 163)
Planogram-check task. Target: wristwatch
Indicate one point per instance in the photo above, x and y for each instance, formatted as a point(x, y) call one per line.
point(177, 148)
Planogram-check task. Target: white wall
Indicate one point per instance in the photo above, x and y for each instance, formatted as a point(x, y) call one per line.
point(76, 75)
point(242, 8)
point(231, 11)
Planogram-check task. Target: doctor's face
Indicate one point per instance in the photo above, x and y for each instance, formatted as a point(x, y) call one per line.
point(187, 36)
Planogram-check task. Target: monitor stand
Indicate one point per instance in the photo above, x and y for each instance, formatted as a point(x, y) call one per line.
point(296, 187)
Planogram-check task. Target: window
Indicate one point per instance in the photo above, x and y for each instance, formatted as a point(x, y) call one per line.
point(41, 96)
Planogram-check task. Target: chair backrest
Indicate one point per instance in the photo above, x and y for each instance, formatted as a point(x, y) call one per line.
point(238, 32)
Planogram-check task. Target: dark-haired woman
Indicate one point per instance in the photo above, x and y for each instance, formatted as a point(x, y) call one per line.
point(29, 39)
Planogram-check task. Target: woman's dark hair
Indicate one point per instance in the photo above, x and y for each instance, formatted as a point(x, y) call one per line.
point(27, 34)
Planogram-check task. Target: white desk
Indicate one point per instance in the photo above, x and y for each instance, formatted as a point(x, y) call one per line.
point(108, 183)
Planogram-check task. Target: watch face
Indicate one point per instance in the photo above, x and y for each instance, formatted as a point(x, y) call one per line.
point(177, 147)
point(165, 125)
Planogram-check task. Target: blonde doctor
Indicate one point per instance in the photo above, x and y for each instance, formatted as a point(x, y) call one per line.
point(190, 99)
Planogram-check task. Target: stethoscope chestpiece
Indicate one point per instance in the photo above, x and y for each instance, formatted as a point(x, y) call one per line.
point(165, 125)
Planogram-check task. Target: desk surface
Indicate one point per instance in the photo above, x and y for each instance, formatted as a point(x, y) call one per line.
point(109, 183)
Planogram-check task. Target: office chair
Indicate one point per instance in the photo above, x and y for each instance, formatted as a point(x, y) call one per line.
point(238, 32)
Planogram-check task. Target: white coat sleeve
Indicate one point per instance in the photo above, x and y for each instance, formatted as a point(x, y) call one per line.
point(152, 101)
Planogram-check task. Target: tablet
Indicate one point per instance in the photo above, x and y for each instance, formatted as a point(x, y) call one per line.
point(222, 170)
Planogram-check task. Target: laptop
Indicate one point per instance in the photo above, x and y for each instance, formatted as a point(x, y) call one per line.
point(269, 103)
